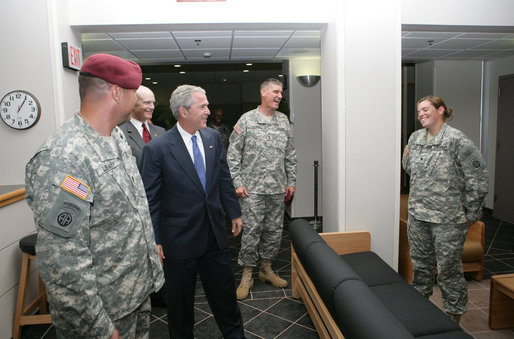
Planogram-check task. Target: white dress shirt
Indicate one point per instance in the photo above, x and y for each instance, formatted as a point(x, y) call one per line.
point(139, 125)
point(189, 143)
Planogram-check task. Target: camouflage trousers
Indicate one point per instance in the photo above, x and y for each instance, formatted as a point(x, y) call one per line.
point(263, 220)
point(137, 323)
point(432, 243)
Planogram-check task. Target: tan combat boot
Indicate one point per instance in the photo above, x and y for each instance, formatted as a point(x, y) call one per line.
point(246, 283)
point(266, 274)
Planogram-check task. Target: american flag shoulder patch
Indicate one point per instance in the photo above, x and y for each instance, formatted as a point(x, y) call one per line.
point(238, 129)
point(74, 186)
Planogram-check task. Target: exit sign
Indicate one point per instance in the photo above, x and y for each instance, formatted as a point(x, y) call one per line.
point(71, 56)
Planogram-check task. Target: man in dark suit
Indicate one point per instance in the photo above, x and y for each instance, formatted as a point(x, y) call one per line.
point(137, 130)
point(188, 184)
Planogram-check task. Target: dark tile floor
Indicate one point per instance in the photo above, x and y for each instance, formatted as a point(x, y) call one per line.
point(269, 312)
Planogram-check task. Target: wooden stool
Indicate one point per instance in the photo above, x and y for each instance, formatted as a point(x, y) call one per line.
point(501, 303)
point(22, 315)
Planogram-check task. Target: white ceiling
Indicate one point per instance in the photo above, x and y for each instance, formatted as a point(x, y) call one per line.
point(224, 49)
point(151, 48)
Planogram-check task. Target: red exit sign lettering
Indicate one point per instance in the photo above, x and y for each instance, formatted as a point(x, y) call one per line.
point(71, 56)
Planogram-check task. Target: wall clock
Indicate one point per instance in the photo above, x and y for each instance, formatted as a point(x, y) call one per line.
point(20, 109)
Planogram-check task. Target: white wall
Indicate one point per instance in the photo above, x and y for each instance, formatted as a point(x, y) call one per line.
point(33, 31)
point(459, 84)
point(458, 12)
point(305, 105)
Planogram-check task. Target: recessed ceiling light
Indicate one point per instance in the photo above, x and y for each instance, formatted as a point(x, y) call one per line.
point(155, 82)
point(281, 75)
point(148, 78)
point(182, 72)
point(249, 64)
point(177, 66)
point(245, 71)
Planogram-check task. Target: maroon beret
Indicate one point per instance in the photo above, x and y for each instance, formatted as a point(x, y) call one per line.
point(113, 69)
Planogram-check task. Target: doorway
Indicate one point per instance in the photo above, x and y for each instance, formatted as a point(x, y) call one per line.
point(504, 166)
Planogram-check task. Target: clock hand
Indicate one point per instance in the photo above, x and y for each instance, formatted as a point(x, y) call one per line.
point(19, 107)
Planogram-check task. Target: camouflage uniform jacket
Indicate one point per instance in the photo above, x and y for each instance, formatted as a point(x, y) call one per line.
point(261, 155)
point(448, 177)
point(96, 248)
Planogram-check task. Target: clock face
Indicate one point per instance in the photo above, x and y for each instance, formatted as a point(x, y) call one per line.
point(20, 109)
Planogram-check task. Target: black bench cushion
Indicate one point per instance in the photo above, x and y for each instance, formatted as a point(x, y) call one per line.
point(302, 236)
point(448, 335)
point(327, 270)
point(360, 314)
point(371, 268)
point(418, 314)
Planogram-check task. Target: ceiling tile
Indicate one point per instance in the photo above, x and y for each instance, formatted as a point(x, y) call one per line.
point(101, 46)
point(204, 42)
point(95, 36)
point(159, 54)
point(263, 33)
point(459, 43)
point(253, 53)
point(498, 44)
point(148, 44)
point(140, 35)
point(199, 54)
point(259, 42)
point(303, 42)
point(298, 52)
point(201, 34)
point(418, 42)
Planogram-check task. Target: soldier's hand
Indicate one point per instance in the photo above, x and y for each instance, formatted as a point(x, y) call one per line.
point(241, 192)
point(290, 190)
point(116, 334)
point(237, 226)
point(161, 253)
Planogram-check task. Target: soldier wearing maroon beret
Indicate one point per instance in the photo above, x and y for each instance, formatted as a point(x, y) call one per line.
point(96, 248)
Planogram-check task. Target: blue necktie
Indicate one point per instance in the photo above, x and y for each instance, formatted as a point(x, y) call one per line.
point(200, 168)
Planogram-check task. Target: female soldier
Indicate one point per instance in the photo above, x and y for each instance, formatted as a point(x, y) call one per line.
point(448, 187)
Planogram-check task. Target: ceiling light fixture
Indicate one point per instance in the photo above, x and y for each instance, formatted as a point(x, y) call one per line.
point(155, 82)
point(182, 72)
point(249, 64)
point(246, 70)
point(177, 66)
point(148, 78)
point(308, 80)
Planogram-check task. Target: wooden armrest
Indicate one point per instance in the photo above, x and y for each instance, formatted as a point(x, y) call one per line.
point(348, 242)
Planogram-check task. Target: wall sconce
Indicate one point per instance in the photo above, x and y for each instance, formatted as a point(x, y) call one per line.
point(308, 80)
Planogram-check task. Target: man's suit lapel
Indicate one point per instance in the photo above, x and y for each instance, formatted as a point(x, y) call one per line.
point(180, 153)
point(210, 155)
point(134, 135)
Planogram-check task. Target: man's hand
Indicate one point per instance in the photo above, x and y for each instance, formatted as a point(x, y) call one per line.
point(161, 253)
point(290, 190)
point(116, 334)
point(241, 192)
point(237, 226)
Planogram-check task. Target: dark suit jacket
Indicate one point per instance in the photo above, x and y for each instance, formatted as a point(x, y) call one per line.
point(135, 140)
point(180, 208)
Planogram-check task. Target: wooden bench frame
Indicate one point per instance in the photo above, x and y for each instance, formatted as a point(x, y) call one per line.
point(303, 287)
point(501, 302)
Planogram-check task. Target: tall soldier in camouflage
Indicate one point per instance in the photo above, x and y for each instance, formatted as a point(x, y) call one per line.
point(448, 187)
point(262, 161)
point(96, 248)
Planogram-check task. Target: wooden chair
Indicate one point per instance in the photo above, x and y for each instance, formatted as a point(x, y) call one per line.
point(23, 314)
point(472, 254)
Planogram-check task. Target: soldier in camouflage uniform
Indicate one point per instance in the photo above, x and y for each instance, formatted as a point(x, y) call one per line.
point(262, 161)
point(96, 248)
point(448, 187)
